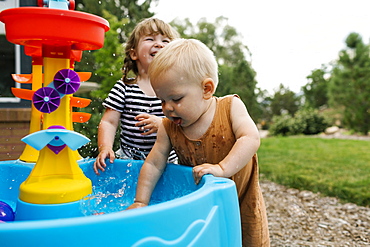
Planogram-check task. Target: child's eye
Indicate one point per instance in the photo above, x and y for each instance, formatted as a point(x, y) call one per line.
point(149, 38)
point(166, 41)
point(177, 99)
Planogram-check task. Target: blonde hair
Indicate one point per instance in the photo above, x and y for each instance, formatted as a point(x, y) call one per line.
point(147, 26)
point(190, 56)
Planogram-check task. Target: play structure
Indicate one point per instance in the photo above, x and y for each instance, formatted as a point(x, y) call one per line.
point(51, 196)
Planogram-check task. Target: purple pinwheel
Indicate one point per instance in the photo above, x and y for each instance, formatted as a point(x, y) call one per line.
point(46, 99)
point(66, 81)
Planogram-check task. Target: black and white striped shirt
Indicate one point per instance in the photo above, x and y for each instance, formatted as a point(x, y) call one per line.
point(130, 101)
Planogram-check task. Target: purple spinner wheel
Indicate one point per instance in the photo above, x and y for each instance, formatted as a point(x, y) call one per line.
point(66, 81)
point(46, 99)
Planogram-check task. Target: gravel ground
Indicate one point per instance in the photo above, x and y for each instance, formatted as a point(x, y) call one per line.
point(304, 218)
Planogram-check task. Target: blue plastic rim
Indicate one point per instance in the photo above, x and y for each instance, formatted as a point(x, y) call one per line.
point(182, 214)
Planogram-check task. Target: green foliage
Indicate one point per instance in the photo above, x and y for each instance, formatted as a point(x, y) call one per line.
point(220, 37)
point(281, 125)
point(284, 101)
point(306, 121)
point(350, 84)
point(122, 9)
point(90, 129)
point(240, 80)
point(311, 122)
point(332, 167)
point(316, 90)
point(109, 59)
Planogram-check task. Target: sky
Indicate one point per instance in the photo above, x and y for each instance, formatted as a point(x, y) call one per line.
point(288, 39)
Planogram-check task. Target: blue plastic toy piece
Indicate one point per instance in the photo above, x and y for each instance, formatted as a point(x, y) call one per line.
point(6, 212)
point(55, 137)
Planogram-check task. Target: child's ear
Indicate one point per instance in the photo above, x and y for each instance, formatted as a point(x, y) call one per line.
point(208, 88)
point(133, 54)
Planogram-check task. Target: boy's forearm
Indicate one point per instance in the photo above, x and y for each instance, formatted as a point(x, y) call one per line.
point(242, 151)
point(153, 167)
point(149, 176)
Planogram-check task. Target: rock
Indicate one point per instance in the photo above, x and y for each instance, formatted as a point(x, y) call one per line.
point(332, 130)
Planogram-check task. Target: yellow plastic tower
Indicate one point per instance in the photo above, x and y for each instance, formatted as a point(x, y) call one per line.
point(56, 178)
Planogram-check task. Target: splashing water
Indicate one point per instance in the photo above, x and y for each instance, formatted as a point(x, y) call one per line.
point(111, 191)
point(105, 201)
point(114, 190)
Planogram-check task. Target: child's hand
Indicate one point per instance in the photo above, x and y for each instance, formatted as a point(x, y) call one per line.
point(99, 163)
point(214, 169)
point(136, 205)
point(148, 123)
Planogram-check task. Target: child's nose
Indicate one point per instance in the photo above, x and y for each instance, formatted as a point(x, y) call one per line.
point(167, 107)
point(159, 44)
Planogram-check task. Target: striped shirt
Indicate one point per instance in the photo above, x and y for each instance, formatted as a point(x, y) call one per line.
point(130, 101)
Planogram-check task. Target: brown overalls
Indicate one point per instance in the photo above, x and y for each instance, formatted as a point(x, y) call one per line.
point(211, 148)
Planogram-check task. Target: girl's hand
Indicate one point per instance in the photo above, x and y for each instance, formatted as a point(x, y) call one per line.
point(148, 123)
point(214, 169)
point(99, 163)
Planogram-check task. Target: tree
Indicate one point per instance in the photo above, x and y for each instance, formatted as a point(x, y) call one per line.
point(244, 84)
point(122, 9)
point(109, 59)
point(350, 84)
point(284, 101)
point(316, 90)
point(219, 36)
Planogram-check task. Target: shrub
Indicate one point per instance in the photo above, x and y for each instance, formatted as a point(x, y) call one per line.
point(312, 121)
point(280, 125)
point(305, 121)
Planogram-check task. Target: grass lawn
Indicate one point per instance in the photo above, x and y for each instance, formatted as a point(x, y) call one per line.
point(334, 167)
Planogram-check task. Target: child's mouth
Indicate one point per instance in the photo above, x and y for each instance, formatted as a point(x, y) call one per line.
point(177, 120)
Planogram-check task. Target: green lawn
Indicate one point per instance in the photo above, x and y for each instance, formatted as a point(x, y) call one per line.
point(333, 167)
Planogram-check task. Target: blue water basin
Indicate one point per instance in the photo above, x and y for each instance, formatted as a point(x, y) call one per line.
point(181, 213)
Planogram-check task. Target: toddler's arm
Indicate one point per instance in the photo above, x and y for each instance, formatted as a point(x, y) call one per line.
point(246, 145)
point(106, 133)
point(152, 169)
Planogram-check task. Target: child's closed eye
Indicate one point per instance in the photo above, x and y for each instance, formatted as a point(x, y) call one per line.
point(177, 99)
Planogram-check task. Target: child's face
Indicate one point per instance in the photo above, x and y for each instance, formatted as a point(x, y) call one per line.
point(147, 47)
point(182, 100)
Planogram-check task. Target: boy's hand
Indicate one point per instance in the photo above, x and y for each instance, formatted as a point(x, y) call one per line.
point(99, 163)
point(148, 123)
point(136, 205)
point(214, 169)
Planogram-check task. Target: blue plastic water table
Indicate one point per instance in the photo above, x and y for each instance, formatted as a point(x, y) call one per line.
point(181, 214)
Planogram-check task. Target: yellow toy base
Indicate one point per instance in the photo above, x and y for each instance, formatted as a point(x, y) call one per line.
point(55, 178)
point(55, 190)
